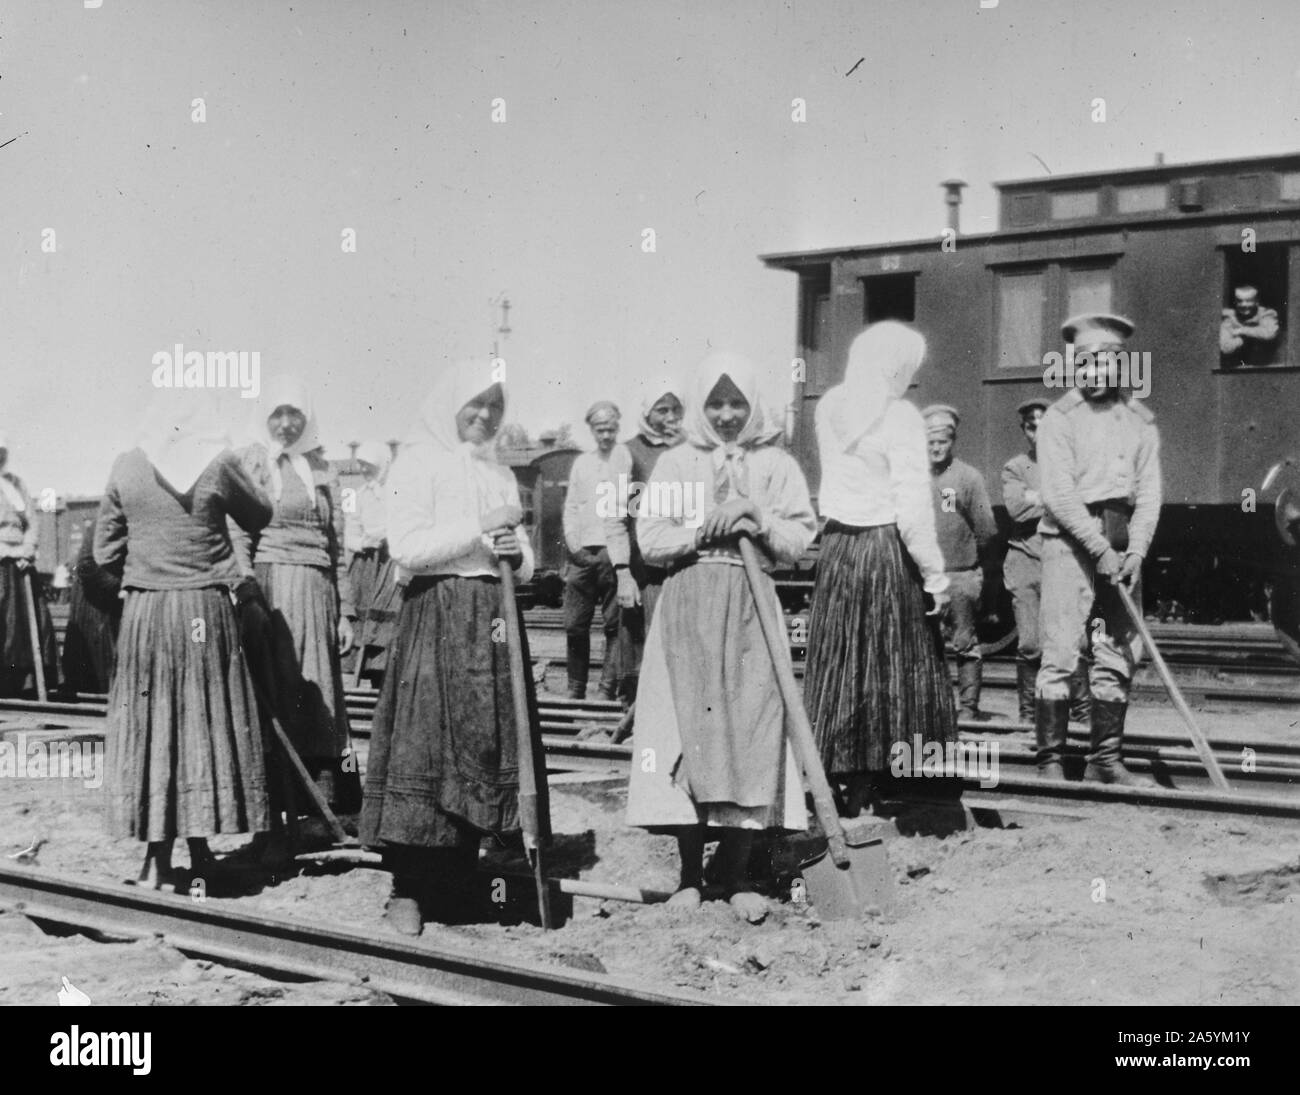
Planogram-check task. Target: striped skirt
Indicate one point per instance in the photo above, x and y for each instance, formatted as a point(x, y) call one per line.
point(443, 744)
point(185, 751)
point(875, 672)
point(16, 661)
point(308, 674)
point(377, 598)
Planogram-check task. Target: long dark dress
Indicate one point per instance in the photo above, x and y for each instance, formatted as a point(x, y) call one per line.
point(94, 617)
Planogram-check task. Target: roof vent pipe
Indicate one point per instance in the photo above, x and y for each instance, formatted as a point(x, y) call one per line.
point(952, 189)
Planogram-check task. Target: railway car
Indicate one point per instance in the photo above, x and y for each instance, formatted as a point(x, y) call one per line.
point(1164, 245)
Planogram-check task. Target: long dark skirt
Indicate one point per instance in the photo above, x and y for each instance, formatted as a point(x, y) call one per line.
point(875, 673)
point(89, 643)
point(309, 676)
point(373, 575)
point(16, 662)
point(185, 749)
point(443, 745)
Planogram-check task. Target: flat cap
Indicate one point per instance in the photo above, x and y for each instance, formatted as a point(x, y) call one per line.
point(941, 416)
point(1096, 328)
point(1029, 404)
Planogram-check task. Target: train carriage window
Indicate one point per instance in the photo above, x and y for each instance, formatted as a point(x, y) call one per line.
point(1141, 199)
point(1021, 297)
point(1087, 289)
point(1290, 186)
point(1071, 204)
point(889, 296)
point(1250, 324)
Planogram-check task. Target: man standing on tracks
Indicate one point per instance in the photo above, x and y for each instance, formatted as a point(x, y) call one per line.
point(1099, 451)
point(589, 576)
point(1022, 569)
point(967, 532)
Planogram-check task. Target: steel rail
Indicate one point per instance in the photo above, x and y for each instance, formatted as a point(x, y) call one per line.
point(406, 970)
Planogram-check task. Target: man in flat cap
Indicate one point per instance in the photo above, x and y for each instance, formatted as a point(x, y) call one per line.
point(967, 532)
point(589, 575)
point(1022, 569)
point(1099, 452)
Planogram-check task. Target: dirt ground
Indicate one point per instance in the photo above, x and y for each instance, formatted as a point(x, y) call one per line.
point(1086, 904)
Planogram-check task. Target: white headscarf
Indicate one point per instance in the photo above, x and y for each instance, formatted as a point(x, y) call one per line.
point(181, 434)
point(287, 391)
point(883, 359)
point(378, 455)
point(454, 388)
point(730, 476)
point(651, 392)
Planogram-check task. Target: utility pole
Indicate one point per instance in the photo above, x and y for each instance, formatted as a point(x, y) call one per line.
point(503, 328)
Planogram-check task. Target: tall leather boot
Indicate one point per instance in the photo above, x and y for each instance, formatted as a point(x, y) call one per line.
point(970, 676)
point(579, 659)
point(609, 671)
point(1051, 718)
point(1080, 695)
point(1104, 764)
point(1026, 676)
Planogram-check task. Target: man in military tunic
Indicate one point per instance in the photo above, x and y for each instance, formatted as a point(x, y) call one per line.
point(1099, 456)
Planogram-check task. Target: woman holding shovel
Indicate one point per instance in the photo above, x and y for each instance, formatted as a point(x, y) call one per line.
point(875, 672)
point(711, 758)
point(443, 768)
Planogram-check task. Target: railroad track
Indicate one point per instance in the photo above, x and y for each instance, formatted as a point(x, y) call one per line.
point(408, 971)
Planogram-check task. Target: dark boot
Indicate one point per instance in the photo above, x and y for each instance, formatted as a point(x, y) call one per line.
point(1026, 676)
point(970, 676)
point(579, 658)
point(1080, 695)
point(1051, 718)
point(1104, 763)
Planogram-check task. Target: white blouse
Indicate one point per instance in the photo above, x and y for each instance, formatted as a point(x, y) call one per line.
point(883, 478)
point(435, 501)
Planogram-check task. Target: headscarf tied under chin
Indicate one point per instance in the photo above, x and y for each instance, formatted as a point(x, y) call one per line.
point(12, 493)
point(883, 359)
point(651, 393)
point(181, 434)
point(288, 391)
point(730, 475)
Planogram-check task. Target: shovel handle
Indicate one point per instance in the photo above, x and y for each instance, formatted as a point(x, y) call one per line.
point(38, 654)
point(531, 805)
point(1175, 694)
point(796, 719)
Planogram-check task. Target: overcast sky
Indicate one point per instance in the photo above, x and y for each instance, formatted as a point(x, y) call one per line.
point(620, 115)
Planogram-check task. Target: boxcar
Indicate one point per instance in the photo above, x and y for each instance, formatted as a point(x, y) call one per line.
point(1163, 245)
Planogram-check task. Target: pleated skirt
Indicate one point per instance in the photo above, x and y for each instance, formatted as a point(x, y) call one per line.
point(443, 744)
point(709, 743)
point(309, 675)
point(875, 673)
point(378, 600)
point(185, 750)
point(15, 631)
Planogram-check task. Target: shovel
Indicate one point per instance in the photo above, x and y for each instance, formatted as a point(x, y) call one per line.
point(1175, 694)
point(534, 802)
point(855, 874)
point(38, 654)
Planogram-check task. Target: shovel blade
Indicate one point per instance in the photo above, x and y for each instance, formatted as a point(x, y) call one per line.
point(839, 893)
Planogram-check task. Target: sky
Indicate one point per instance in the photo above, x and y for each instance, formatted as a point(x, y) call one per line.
point(227, 234)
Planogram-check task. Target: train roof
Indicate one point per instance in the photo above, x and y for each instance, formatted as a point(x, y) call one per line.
point(1264, 187)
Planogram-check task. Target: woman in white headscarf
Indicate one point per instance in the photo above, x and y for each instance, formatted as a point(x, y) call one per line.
point(709, 715)
point(659, 429)
point(875, 672)
point(371, 571)
point(17, 559)
point(443, 768)
point(185, 750)
point(299, 567)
